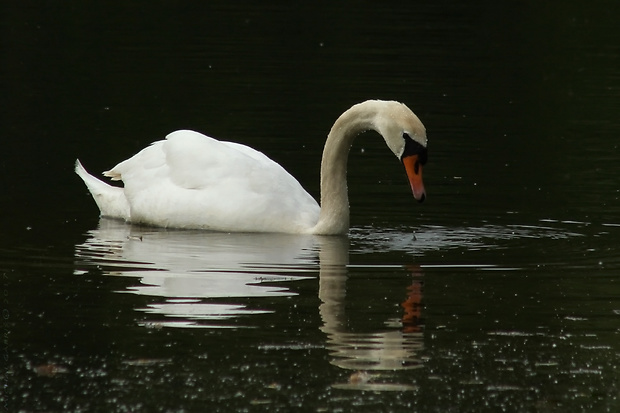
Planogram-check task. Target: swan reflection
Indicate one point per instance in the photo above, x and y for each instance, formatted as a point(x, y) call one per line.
point(185, 268)
point(197, 276)
point(367, 354)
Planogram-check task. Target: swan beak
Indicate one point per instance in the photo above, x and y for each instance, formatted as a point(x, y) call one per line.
point(414, 173)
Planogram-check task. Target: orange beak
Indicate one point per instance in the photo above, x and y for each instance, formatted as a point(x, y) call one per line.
point(414, 173)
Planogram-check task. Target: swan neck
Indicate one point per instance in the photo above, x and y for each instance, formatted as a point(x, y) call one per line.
point(334, 215)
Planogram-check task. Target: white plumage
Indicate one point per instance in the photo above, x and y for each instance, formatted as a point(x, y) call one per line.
point(190, 180)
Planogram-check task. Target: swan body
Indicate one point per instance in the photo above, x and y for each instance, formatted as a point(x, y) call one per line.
point(190, 180)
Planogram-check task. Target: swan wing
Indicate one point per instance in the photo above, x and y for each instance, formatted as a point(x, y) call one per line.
point(190, 180)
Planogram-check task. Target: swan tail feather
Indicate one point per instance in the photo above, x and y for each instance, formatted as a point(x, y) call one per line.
point(111, 200)
point(115, 176)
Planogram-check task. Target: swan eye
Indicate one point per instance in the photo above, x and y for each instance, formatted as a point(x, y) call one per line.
point(414, 148)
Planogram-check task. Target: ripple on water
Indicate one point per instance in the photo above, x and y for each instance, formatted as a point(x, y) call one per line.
point(434, 238)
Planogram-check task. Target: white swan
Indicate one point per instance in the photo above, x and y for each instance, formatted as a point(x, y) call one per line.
point(190, 180)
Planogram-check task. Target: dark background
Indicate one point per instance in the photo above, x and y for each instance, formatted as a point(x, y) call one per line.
point(530, 85)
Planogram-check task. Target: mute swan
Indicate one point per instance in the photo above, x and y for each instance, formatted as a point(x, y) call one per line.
point(190, 180)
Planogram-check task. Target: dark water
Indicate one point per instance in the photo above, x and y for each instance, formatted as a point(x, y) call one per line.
point(500, 293)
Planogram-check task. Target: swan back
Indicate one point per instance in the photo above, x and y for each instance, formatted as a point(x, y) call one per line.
point(190, 180)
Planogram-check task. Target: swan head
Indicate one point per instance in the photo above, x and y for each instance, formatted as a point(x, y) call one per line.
point(405, 135)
